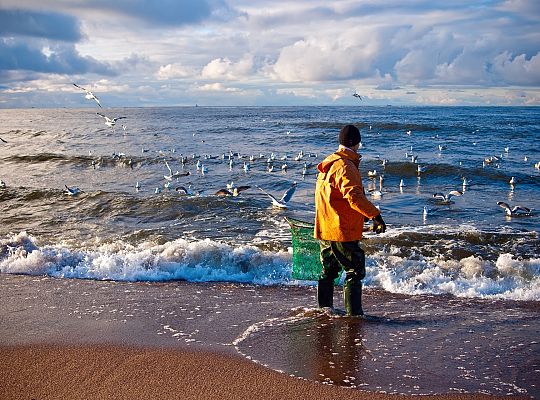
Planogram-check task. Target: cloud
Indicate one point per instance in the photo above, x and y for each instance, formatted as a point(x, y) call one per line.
point(62, 58)
point(517, 70)
point(174, 71)
point(154, 13)
point(346, 55)
point(49, 25)
point(163, 12)
point(223, 68)
point(216, 87)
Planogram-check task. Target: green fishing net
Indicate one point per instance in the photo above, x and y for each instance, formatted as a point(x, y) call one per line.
point(306, 251)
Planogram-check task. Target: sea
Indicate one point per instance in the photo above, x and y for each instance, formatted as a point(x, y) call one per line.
point(130, 225)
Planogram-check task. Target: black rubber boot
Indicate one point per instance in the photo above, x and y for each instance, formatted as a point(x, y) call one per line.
point(325, 293)
point(352, 298)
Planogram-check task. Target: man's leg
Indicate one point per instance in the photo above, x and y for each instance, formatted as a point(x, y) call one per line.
point(330, 271)
point(351, 256)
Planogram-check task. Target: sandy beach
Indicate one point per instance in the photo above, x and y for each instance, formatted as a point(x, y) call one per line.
point(112, 372)
point(84, 339)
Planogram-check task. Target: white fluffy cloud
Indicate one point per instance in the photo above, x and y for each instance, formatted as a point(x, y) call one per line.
point(517, 70)
point(327, 57)
point(174, 71)
point(224, 68)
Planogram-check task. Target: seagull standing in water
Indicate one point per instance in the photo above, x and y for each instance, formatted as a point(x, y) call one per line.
point(111, 122)
point(281, 203)
point(516, 211)
point(89, 95)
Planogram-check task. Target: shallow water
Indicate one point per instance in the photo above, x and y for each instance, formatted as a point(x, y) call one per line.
point(113, 231)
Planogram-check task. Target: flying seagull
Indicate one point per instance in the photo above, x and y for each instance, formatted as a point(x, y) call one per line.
point(2, 140)
point(110, 121)
point(234, 191)
point(173, 175)
point(516, 211)
point(89, 94)
point(357, 95)
point(446, 197)
point(281, 203)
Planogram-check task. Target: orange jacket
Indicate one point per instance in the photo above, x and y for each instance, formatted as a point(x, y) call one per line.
point(339, 198)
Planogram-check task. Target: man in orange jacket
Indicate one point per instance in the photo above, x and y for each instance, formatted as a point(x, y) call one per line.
point(341, 207)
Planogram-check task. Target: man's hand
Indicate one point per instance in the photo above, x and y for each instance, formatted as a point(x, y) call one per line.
point(378, 224)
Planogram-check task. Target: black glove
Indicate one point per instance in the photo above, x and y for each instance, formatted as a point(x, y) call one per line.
point(378, 224)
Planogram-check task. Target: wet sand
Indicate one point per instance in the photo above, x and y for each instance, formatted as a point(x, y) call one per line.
point(106, 372)
point(67, 338)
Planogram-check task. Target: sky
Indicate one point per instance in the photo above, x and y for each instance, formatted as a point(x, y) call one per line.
point(143, 53)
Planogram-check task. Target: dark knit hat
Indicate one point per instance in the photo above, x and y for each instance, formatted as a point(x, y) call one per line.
point(349, 136)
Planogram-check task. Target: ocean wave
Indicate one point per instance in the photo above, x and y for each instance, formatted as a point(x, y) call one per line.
point(507, 276)
point(197, 261)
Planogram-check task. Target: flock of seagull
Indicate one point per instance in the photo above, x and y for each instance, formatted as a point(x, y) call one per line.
point(233, 190)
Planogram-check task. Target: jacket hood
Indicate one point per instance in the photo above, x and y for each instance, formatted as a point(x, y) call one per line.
point(324, 166)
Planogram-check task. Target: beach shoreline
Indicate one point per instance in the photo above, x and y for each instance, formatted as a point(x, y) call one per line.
point(120, 372)
point(57, 332)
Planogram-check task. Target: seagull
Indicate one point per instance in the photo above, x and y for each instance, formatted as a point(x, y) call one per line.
point(401, 183)
point(426, 212)
point(408, 132)
point(537, 165)
point(357, 95)
point(377, 194)
point(74, 191)
point(465, 182)
point(186, 191)
point(137, 186)
point(420, 169)
point(2, 184)
point(512, 181)
point(516, 211)
point(234, 191)
point(89, 94)
point(446, 197)
point(173, 175)
point(281, 203)
point(110, 121)
point(2, 140)
point(372, 174)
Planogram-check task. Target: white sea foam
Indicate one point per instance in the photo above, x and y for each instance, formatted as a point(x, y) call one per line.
point(507, 277)
point(196, 261)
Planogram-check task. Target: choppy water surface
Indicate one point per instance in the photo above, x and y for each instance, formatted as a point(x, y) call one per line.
point(113, 231)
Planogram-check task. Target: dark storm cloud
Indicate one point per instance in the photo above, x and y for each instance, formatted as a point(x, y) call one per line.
point(63, 59)
point(47, 25)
